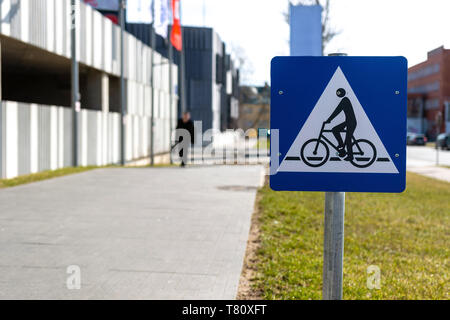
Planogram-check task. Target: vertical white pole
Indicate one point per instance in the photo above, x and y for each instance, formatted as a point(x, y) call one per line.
point(204, 13)
point(438, 130)
point(437, 154)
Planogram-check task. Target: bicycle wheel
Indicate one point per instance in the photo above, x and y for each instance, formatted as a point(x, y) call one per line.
point(365, 155)
point(317, 159)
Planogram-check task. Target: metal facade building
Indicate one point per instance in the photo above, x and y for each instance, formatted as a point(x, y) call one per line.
point(211, 78)
point(35, 118)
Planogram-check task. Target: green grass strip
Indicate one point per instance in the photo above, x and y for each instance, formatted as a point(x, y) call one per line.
point(406, 235)
point(44, 175)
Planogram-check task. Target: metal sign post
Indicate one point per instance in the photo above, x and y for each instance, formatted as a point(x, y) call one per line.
point(333, 248)
point(341, 125)
point(333, 243)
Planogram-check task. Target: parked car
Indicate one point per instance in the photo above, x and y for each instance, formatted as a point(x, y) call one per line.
point(443, 141)
point(408, 137)
point(416, 139)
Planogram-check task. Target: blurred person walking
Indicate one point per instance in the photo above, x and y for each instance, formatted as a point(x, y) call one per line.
point(187, 124)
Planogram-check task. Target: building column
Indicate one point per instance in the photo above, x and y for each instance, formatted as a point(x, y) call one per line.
point(95, 91)
point(105, 92)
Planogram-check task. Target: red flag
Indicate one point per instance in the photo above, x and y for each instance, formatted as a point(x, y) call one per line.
point(176, 37)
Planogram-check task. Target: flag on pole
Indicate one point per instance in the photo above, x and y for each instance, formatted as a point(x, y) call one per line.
point(109, 8)
point(139, 11)
point(108, 5)
point(161, 17)
point(176, 37)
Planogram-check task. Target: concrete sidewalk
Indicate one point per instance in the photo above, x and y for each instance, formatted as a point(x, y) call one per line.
point(135, 233)
point(422, 160)
point(434, 172)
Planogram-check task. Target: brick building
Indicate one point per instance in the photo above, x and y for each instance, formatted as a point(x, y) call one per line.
point(429, 94)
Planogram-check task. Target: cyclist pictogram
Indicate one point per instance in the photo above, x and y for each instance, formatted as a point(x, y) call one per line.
point(359, 152)
point(337, 136)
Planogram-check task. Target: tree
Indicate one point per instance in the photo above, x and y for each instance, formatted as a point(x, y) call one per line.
point(245, 65)
point(328, 33)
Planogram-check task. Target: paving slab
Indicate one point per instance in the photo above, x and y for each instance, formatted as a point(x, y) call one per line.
point(134, 233)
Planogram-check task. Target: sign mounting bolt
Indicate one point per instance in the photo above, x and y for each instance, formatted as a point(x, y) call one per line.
point(397, 155)
point(281, 92)
point(397, 92)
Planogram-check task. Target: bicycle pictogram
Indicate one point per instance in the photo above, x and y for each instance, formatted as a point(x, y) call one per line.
point(359, 152)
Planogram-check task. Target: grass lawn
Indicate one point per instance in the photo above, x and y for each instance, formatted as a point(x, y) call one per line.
point(5, 183)
point(406, 235)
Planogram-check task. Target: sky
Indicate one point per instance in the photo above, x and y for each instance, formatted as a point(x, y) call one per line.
point(408, 28)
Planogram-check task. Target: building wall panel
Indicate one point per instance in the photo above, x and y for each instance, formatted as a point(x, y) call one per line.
point(12, 131)
point(24, 139)
point(44, 128)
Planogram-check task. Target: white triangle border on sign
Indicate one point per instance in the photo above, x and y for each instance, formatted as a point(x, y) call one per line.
point(311, 129)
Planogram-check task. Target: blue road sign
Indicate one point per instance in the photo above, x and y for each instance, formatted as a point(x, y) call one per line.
point(341, 124)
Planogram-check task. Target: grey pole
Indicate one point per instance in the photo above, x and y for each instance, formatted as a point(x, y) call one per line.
point(152, 83)
point(333, 245)
point(182, 67)
point(437, 153)
point(438, 130)
point(75, 96)
point(333, 253)
point(204, 13)
point(170, 97)
point(122, 84)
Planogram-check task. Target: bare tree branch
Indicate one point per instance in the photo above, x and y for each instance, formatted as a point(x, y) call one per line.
point(328, 32)
point(244, 63)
